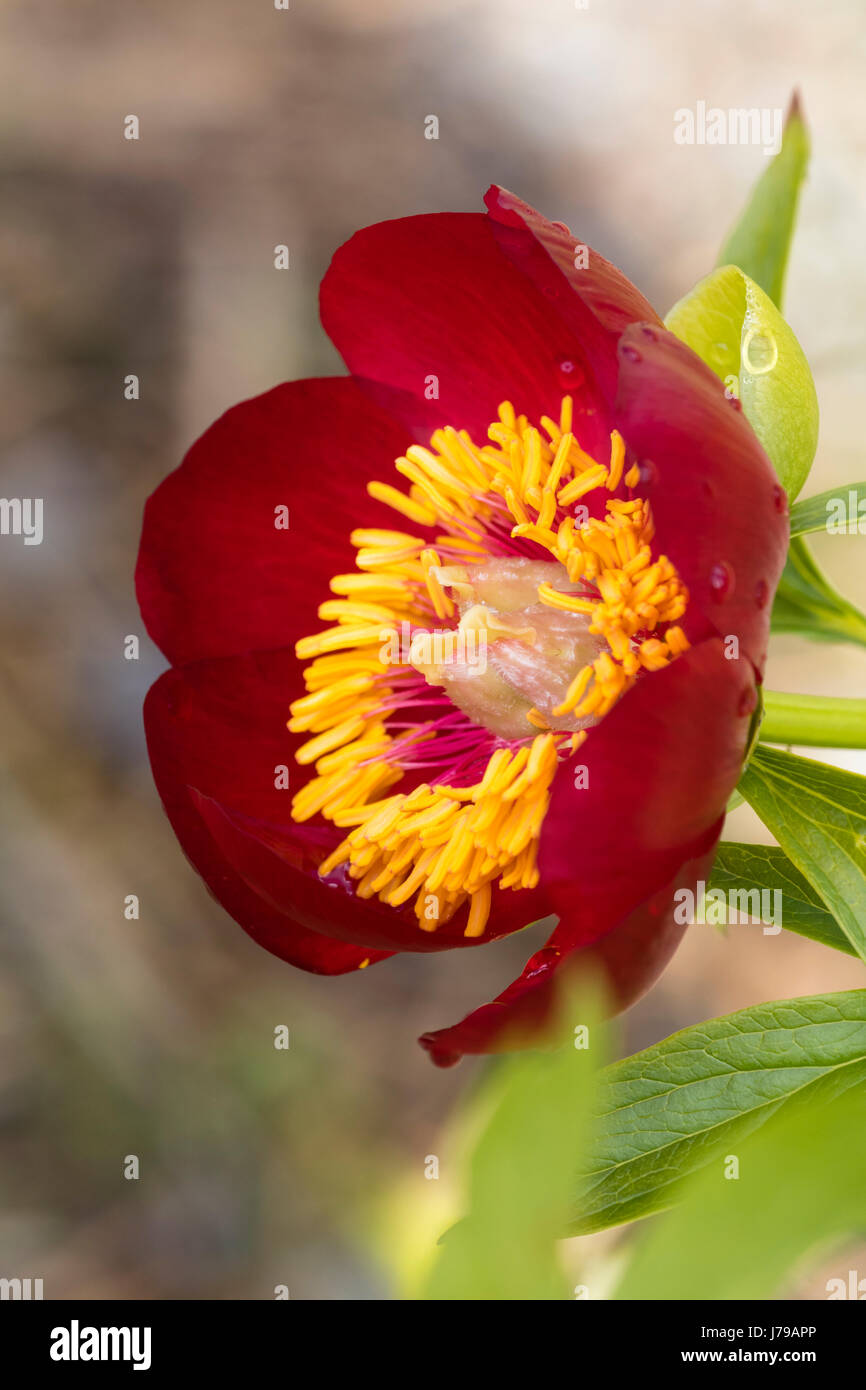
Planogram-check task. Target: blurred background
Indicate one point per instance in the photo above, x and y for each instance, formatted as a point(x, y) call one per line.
point(154, 1037)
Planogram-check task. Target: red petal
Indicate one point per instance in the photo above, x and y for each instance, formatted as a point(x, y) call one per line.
point(205, 740)
point(436, 296)
point(661, 767)
point(719, 510)
point(595, 300)
point(630, 958)
point(216, 736)
point(215, 576)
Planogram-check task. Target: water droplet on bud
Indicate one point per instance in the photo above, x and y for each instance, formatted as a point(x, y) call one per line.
point(762, 593)
point(748, 701)
point(630, 353)
point(760, 352)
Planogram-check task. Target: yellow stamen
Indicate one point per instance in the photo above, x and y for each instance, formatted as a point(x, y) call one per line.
point(617, 460)
point(442, 604)
point(585, 482)
point(478, 912)
point(393, 497)
point(568, 602)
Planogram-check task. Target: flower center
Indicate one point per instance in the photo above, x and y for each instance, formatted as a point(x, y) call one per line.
point(511, 658)
point(476, 663)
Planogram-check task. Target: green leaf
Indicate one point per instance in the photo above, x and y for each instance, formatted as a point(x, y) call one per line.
point(760, 242)
point(674, 1107)
point(818, 815)
point(807, 603)
point(750, 1218)
point(744, 868)
point(731, 324)
point(521, 1173)
point(839, 511)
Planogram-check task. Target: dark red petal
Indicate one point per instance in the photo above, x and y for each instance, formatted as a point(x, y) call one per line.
point(719, 510)
point(629, 959)
point(594, 300)
point(661, 767)
point(435, 296)
point(190, 737)
point(268, 858)
point(216, 736)
point(215, 576)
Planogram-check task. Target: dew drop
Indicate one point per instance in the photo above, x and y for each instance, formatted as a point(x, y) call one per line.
point(648, 474)
point(760, 352)
point(630, 353)
point(762, 593)
point(543, 960)
point(562, 227)
point(569, 373)
point(747, 701)
point(649, 332)
point(780, 500)
point(722, 580)
point(734, 402)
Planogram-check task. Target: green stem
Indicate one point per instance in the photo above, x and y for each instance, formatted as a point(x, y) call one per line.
point(819, 721)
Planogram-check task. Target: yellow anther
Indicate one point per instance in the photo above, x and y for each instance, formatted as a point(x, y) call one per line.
point(569, 603)
point(617, 460)
point(585, 482)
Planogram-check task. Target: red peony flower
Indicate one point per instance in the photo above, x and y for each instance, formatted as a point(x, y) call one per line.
point(529, 691)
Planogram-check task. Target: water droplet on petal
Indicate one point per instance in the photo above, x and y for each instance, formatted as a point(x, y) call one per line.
point(630, 353)
point(734, 402)
point(649, 332)
point(569, 373)
point(562, 227)
point(648, 474)
point(543, 960)
point(780, 500)
point(762, 593)
point(722, 579)
point(748, 701)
